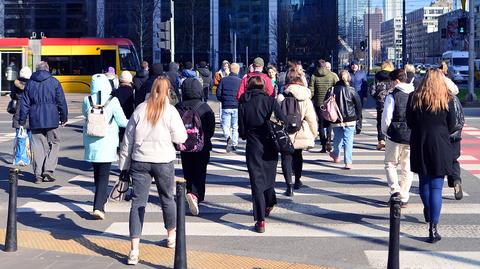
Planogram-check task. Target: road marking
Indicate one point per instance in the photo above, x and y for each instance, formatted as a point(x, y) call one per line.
point(473, 132)
point(427, 259)
point(467, 158)
point(470, 128)
point(275, 229)
point(470, 167)
point(222, 190)
point(312, 209)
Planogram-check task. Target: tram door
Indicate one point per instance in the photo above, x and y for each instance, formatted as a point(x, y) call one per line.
point(11, 63)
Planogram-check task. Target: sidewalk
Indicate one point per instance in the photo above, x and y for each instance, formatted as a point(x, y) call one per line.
point(44, 250)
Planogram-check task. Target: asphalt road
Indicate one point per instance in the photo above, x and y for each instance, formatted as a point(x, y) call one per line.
point(339, 218)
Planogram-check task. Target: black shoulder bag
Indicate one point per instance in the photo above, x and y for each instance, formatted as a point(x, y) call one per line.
point(278, 134)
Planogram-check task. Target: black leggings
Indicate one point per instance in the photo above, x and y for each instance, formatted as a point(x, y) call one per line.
point(292, 162)
point(101, 175)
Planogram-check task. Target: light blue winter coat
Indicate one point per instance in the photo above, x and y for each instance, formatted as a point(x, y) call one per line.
point(103, 149)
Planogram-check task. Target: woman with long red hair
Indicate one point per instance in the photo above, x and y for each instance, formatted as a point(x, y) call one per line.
point(431, 116)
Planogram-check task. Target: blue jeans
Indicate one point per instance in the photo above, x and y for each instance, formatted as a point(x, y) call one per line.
point(431, 194)
point(230, 124)
point(343, 136)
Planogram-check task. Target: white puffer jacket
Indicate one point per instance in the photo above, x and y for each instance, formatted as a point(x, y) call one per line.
point(305, 137)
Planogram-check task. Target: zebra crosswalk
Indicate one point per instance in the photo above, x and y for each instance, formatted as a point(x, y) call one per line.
point(343, 210)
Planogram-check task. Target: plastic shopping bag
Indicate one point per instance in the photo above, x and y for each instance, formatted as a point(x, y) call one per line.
point(22, 154)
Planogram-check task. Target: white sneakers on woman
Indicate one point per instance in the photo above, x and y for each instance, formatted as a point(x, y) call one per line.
point(133, 257)
point(97, 214)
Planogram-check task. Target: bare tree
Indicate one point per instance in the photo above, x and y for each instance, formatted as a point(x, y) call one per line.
point(143, 18)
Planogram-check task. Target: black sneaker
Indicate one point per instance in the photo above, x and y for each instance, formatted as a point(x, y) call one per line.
point(47, 177)
point(457, 190)
point(234, 148)
point(229, 145)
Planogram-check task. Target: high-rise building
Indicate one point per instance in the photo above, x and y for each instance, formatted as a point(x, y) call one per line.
point(53, 18)
point(392, 9)
point(374, 21)
point(351, 25)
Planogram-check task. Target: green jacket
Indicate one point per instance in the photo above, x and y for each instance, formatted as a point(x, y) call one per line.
point(320, 82)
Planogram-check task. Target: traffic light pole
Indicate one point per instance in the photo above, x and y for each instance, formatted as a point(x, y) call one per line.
point(471, 97)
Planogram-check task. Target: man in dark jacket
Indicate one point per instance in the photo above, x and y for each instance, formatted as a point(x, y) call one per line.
point(322, 80)
point(173, 75)
point(44, 104)
point(206, 77)
point(194, 164)
point(155, 72)
point(360, 83)
point(125, 96)
point(226, 93)
point(141, 76)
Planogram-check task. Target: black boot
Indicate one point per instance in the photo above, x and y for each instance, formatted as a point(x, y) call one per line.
point(433, 235)
point(324, 149)
point(426, 214)
point(298, 184)
point(289, 191)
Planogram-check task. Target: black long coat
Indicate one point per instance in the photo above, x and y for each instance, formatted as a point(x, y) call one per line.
point(431, 151)
point(255, 109)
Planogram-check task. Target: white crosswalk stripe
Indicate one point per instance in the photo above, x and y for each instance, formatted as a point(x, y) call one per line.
point(319, 210)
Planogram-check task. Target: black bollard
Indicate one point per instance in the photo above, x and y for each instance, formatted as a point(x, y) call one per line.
point(181, 244)
point(11, 237)
point(394, 242)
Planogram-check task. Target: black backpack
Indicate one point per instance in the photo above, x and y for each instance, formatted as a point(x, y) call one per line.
point(291, 108)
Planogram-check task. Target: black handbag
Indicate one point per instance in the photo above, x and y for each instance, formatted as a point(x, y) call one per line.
point(121, 187)
point(12, 106)
point(279, 135)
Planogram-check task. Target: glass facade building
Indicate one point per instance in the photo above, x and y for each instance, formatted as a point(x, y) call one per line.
point(55, 18)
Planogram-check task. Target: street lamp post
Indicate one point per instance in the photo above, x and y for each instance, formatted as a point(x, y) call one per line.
point(471, 97)
point(404, 36)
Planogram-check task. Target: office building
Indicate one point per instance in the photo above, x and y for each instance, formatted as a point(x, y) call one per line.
point(53, 18)
point(392, 9)
point(374, 20)
point(391, 40)
point(420, 23)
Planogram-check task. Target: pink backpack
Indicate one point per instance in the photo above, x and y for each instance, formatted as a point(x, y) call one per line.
point(330, 110)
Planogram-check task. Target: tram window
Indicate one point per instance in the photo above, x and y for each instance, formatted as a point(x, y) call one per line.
point(59, 65)
point(85, 65)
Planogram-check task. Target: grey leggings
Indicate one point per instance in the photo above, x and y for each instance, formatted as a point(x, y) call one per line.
point(142, 174)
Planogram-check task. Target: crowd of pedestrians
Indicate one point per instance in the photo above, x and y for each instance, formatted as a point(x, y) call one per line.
point(131, 119)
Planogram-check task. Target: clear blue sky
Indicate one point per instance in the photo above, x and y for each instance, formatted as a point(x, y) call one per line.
point(411, 4)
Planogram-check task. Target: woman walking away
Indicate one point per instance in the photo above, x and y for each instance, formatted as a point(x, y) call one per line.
point(303, 137)
point(431, 116)
point(350, 107)
point(147, 151)
point(125, 95)
point(255, 110)
point(16, 93)
point(194, 164)
point(101, 150)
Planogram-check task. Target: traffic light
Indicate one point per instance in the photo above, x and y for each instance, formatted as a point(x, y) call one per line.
point(462, 25)
point(164, 35)
point(362, 45)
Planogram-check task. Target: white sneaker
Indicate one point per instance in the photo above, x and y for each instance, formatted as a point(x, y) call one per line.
point(97, 214)
point(192, 201)
point(133, 257)
point(171, 241)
